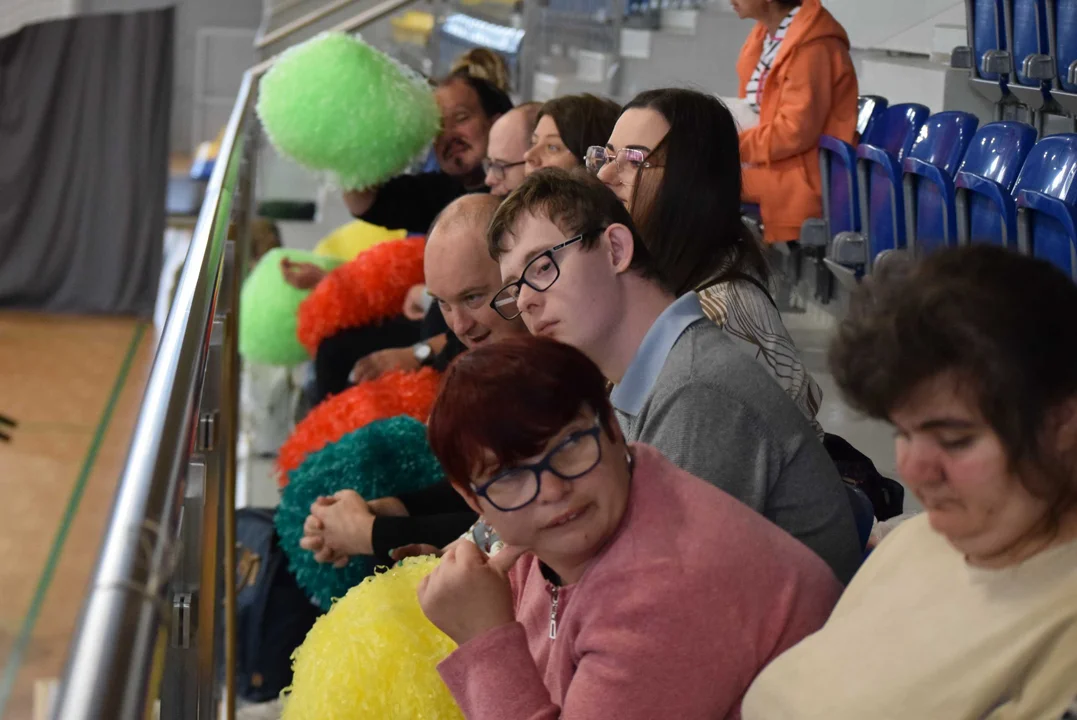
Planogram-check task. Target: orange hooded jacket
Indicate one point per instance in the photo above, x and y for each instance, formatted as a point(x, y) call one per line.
point(810, 91)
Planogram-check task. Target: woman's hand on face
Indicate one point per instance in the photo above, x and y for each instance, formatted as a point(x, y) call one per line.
point(346, 524)
point(469, 594)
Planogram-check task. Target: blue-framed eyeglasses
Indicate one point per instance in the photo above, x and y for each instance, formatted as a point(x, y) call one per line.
point(539, 275)
point(572, 458)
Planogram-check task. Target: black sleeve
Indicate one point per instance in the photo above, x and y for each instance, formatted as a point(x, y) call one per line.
point(390, 533)
point(411, 202)
point(433, 500)
point(433, 323)
point(453, 347)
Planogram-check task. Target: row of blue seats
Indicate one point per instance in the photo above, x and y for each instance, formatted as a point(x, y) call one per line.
point(1023, 51)
point(922, 182)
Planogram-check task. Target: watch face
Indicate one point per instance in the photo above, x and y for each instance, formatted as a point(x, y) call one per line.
point(423, 352)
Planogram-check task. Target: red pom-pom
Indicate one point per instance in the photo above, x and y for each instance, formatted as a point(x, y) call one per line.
point(369, 289)
point(394, 393)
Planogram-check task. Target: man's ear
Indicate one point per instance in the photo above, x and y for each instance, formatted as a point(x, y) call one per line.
point(622, 246)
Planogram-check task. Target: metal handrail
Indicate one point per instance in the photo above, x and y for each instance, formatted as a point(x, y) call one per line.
point(354, 23)
point(117, 657)
point(118, 648)
point(302, 23)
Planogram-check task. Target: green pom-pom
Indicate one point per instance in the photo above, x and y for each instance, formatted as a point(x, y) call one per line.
point(268, 307)
point(335, 103)
point(379, 460)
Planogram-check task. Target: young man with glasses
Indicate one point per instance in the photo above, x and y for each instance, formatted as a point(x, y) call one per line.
point(510, 138)
point(577, 271)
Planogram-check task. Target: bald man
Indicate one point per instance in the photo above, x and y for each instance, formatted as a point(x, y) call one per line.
point(510, 138)
point(460, 274)
point(462, 278)
point(447, 269)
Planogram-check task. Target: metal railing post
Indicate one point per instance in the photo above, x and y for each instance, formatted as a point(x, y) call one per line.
point(130, 618)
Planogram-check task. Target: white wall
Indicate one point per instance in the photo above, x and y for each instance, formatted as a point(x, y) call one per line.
point(901, 25)
point(190, 16)
point(883, 34)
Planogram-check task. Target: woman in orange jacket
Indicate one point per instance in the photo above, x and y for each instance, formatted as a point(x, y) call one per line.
point(796, 73)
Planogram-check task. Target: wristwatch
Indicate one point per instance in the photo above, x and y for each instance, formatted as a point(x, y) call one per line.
point(422, 352)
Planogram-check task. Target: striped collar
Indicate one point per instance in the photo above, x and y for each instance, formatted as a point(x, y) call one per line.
point(771, 45)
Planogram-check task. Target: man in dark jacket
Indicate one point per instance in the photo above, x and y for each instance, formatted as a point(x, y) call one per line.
point(469, 107)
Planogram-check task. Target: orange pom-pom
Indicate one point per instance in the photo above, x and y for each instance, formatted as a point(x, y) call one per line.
point(369, 289)
point(394, 393)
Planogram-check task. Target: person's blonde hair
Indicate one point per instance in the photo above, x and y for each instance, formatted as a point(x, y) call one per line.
point(485, 64)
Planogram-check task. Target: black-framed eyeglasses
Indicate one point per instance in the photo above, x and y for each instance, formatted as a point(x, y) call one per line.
point(624, 159)
point(539, 275)
point(572, 458)
point(498, 168)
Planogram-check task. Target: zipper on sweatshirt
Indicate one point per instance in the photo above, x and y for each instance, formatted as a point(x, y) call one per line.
point(554, 593)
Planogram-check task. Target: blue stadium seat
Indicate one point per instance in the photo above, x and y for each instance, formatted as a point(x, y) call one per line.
point(841, 210)
point(1030, 40)
point(863, 513)
point(869, 108)
point(987, 56)
point(1046, 194)
point(1034, 68)
point(988, 38)
point(1064, 49)
point(837, 167)
point(882, 203)
point(930, 220)
point(984, 184)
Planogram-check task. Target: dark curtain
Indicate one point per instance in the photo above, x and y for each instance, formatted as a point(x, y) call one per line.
point(84, 138)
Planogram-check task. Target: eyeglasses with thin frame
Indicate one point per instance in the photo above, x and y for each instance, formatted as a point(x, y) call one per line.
point(517, 487)
point(539, 275)
point(632, 159)
point(498, 168)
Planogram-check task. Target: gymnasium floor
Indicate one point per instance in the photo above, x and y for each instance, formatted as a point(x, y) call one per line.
point(74, 385)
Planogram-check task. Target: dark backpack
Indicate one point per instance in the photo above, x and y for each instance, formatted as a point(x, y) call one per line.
point(887, 496)
point(273, 613)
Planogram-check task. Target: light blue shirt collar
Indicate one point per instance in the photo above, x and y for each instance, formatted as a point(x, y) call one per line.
point(629, 395)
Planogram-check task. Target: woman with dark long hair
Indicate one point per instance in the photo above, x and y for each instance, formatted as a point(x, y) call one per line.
point(673, 160)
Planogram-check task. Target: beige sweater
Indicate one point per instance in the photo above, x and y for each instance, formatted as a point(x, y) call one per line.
point(921, 634)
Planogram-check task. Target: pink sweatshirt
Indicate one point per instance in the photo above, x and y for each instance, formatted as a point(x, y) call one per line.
point(691, 598)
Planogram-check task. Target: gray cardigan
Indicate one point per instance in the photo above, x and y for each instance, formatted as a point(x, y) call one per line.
point(716, 413)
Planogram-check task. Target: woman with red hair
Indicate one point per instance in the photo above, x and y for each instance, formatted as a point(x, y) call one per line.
point(627, 588)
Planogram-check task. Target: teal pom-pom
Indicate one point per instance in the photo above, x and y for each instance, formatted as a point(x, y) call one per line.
point(335, 103)
point(269, 307)
point(379, 460)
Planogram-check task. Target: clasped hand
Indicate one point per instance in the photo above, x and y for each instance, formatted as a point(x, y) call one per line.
point(338, 527)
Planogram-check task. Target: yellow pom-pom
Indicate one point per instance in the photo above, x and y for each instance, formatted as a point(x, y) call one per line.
point(347, 241)
point(374, 655)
